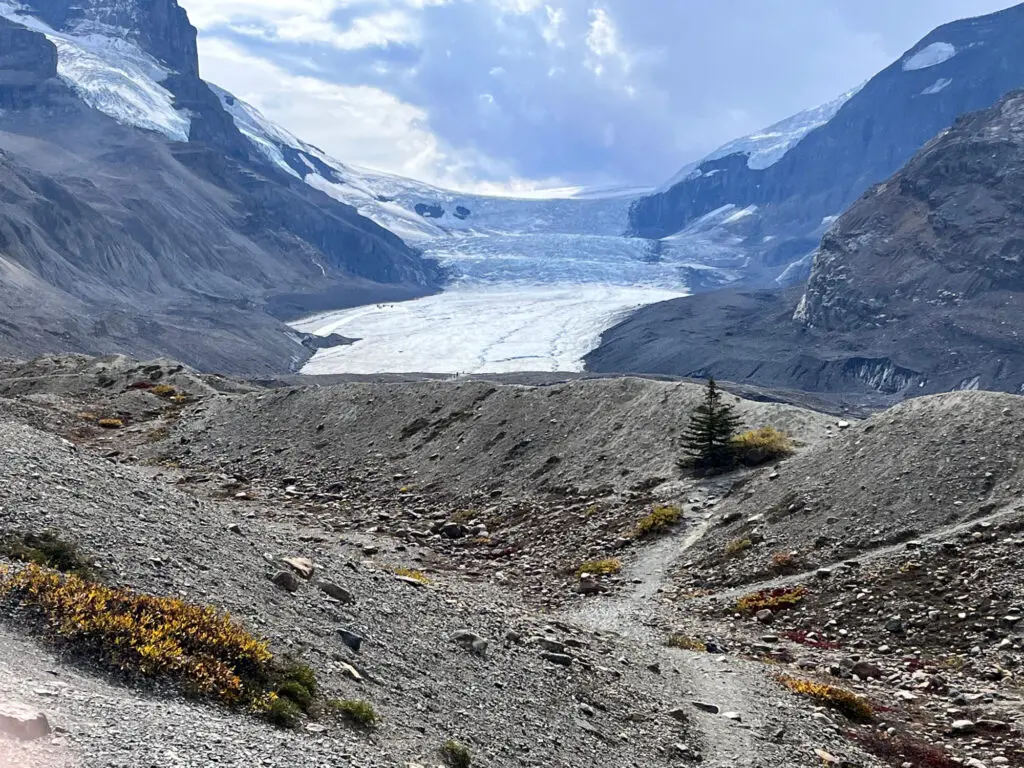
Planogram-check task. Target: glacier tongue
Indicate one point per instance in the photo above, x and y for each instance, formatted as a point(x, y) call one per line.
point(112, 76)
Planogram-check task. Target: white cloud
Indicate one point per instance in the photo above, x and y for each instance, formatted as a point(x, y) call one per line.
point(385, 22)
point(357, 124)
point(604, 45)
point(551, 31)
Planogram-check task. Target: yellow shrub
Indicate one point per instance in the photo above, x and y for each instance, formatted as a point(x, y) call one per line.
point(164, 390)
point(88, 416)
point(409, 573)
point(198, 647)
point(110, 423)
point(686, 643)
point(606, 567)
point(772, 599)
point(659, 520)
point(761, 445)
point(847, 702)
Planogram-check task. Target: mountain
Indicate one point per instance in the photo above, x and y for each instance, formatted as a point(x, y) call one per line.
point(917, 288)
point(137, 217)
point(793, 195)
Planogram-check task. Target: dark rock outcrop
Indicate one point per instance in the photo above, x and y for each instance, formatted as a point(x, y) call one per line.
point(917, 288)
point(869, 138)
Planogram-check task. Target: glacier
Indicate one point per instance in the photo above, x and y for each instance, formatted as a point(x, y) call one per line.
point(111, 75)
point(929, 56)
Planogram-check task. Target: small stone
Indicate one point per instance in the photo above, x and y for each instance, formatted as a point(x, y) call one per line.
point(587, 710)
point(286, 580)
point(301, 565)
point(823, 573)
point(340, 594)
point(679, 714)
point(561, 659)
point(735, 716)
point(351, 639)
point(843, 424)
point(765, 616)
point(709, 708)
point(453, 531)
point(865, 670)
point(961, 727)
point(22, 723)
point(471, 641)
point(350, 672)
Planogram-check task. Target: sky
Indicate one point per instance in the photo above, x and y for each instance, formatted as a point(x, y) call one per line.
point(514, 95)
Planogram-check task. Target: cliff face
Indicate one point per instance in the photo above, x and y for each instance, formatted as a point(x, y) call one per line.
point(917, 288)
point(958, 68)
point(946, 229)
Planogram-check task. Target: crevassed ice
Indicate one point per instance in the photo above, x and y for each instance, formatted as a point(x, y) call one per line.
point(929, 56)
point(111, 75)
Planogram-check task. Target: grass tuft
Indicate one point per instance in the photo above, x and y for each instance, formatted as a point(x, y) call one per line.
point(49, 550)
point(759, 446)
point(686, 643)
point(738, 547)
point(660, 519)
point(840, 699)
point(607, 567)
point(110, 423)
point(356, 711)
point(415, 575)
point(455, 755)
point(282, 712)
point(780, 599)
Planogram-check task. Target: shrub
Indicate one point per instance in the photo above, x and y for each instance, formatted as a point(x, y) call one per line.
point(455, 755)
point(738, 546)
point(88, 416)
point(606, 567)
point(164, 390)
point(760, 446)
point(198, 648)
point(47, 549)
point(110, 423)
point(686, 643)
point(415, 575)
point(282, 712)
point(780, 599)
point(785, 562)
point(356, 711)
point(840, 699)
point(658, 521)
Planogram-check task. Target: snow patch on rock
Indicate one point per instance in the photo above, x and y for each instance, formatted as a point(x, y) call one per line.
point(929, 56)
point(939, 85)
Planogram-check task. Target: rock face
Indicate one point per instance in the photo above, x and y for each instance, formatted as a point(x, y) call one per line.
point(116, 238)
point(958, 68)
point(917, 288)
point(942, 233)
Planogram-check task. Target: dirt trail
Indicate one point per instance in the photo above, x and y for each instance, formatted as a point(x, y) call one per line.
point(733, 685)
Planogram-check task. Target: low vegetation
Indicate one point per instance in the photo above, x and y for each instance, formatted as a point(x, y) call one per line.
point(415, 575)
point(839, 699)
point(785, 562)
point(198, 648)
point(455, 755)
point(686, 643)
point(738, 547)
point(47, 549)
point(356, 711)
point(780, 599)
point(803, 637)
point(606, 567)
point(660, 519)
point(759, 446)
point(110, 423)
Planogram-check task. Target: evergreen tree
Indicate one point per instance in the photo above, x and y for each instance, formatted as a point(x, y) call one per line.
point(707, 439)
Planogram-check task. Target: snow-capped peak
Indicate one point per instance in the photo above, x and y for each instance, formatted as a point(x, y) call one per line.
point(767, 147)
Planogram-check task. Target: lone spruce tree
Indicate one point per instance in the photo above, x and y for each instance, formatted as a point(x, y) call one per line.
point(707, 439)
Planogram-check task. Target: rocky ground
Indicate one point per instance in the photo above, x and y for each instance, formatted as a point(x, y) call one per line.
point(205, 496)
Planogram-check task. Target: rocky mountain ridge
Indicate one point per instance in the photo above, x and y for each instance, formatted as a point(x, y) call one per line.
point(959, 67)
point(116, 237)
point(915, 289)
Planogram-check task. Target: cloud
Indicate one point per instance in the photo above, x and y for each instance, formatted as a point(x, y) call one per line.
point(502, 92)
